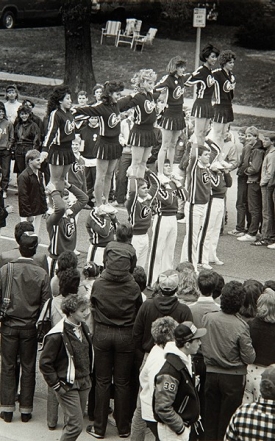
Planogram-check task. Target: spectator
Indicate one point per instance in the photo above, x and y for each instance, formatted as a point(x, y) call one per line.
point(227, 350)
point(70, 340)
point(6, 142)
point(162, 332)
point(31, 192)
point(262, 330)
point(12, 104)
point(177, 408)
point(188, 290)
point(29, 290)
point(256, 420)
point(8, 256)
point(4, 211)
point(66, 260)
point(253, 173)
point(253, 289)
point(116, 303)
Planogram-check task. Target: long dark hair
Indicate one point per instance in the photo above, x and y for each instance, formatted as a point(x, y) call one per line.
point(58, 95)
point(109, 88)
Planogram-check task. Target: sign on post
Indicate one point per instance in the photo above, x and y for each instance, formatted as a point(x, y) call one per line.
point(199, 18)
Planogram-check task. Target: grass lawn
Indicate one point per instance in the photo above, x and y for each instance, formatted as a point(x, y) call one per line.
point(40, 51)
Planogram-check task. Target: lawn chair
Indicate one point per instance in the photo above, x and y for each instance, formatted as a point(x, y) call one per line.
point(141, 40)
point(111, 30)
point(132, 31)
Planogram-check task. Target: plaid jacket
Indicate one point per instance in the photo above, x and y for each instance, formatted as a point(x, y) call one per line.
point(251, 422)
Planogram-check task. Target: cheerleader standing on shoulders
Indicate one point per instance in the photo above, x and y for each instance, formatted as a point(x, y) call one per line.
point(142, 136)
point(57, 146)
point(107, 148)
point(172, 121)
point(223, 112)
point(203, 79)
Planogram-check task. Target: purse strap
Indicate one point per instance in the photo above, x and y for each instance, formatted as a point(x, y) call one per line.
point(48, 311)
point(7, 295)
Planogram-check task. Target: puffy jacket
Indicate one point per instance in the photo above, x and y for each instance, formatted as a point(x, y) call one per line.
point(31, 193)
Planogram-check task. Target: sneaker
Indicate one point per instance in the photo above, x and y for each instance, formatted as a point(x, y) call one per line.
point(260, 243)
point(218, 262)
point(77, 253)
point(271, 247)
point(5, 194)
point(246, 238)
point(236, 233)
point(109, 209)
point(124, 435)
point(26, 417)
point(111, 420)
point(182, 221)
point(91, 431)
point(206, 266)
point(7, 416)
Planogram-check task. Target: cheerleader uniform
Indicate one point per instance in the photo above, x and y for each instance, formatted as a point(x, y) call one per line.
point(173, 114)
point(142, 133)
point(101, 230)
point(58, 140)
point(206, 86)
point(223, 112)
point(107, 145)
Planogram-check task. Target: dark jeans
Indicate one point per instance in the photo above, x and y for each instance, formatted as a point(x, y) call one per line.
point(5, 163)
point(254, 197)
point(270, 196)
point(90, 174)
point(223, 394)
point(121, 178)
point(242, 204)
point(24, 343)
point(114, 353)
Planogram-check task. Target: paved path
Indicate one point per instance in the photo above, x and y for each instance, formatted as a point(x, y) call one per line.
point(243, 110)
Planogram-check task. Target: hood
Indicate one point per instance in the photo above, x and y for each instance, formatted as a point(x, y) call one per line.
point(116, 279)
point(165, 304)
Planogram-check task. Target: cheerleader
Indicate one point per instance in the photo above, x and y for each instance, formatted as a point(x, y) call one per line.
point(172, 121)
point(223, 112)
point(142, 136)
point(107, 148)
point(57, 146)
point(203, 78)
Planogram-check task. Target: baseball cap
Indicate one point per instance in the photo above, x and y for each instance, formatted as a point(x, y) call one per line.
point(187, 331)
point(168, 280)
point(28, 240)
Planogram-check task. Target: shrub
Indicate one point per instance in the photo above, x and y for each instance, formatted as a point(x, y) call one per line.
point(257, 34)
point(237, 12)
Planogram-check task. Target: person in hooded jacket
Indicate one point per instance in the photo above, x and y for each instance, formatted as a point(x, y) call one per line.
point(167, 304)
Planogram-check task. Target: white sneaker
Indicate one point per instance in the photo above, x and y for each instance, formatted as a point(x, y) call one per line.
point(271, 246)
point(77, 253)
point(109, 209)
point(235, 233)
point(206, 266)
point(182, 221)
point(5, 194)
point(247, 238)
point(217, 262)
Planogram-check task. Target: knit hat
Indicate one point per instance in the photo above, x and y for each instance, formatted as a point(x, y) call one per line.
point(252, 131)
point(10, 87)
point(168, 281)
point(187, 331)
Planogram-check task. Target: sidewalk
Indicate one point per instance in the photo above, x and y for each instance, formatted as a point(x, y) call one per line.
point(238, 109)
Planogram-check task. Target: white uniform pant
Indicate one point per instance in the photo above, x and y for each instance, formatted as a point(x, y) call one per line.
point(36, 222)
point(195, 216)
point(165, 229)
point(141, 244)
point(166, 434)
point(95, 254)
point(211, 231)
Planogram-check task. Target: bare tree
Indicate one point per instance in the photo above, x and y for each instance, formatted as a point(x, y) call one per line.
point(79, 74)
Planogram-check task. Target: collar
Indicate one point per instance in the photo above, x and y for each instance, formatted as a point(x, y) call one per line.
point(206, 299)
point(72, 324)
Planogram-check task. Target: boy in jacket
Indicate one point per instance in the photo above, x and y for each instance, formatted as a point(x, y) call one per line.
point(175, 402)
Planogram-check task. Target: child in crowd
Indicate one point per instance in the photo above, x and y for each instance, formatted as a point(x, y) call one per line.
point(68, 349)
point(139, 206)
point(220, 181)
point(199, 188)
point(101, 228)
point(165, 224)
point(120, 255)
point(97, 93)
point(12, 104)
point(82, 98)
point(4, 211)
point(253, 173)
point(90, 272)
point(26, 137)
point(6, 141)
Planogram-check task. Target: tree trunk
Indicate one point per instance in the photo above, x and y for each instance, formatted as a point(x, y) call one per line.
point(79, 74)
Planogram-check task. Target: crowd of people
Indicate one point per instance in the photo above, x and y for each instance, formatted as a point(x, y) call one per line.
point(182, 357)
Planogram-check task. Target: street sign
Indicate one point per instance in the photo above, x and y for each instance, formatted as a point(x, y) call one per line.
point(199, 18)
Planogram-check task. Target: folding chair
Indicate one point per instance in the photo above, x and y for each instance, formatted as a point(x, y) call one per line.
point(132, 30)
point(141, 40)
point(111, 30)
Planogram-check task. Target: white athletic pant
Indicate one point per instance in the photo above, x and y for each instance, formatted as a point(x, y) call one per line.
point(163, 244)
point(211, 237)
point(36, 222)
point(95, 254)
point(195, 216)
point(141, 244)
